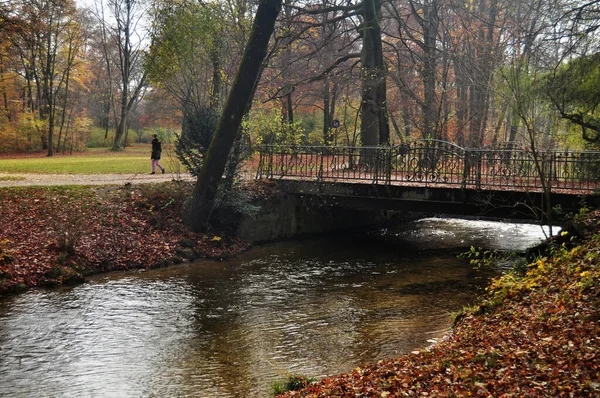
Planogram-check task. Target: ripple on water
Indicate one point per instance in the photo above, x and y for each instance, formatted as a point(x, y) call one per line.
point(228, 329)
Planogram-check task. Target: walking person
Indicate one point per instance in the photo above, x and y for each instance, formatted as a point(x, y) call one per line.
point(155, 157)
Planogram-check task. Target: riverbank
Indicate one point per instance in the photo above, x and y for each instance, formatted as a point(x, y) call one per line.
point(58, 235)
point(534, 335)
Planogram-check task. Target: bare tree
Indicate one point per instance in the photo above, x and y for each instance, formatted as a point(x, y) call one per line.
point(416, 29)
point(74, 42)
point(122, 28)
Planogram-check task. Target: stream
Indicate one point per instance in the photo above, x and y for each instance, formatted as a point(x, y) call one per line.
point(229, 329)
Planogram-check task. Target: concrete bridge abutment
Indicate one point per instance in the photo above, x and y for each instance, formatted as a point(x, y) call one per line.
point(311, 207)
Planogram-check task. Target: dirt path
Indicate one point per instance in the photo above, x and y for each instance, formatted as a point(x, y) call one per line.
point(14, 180)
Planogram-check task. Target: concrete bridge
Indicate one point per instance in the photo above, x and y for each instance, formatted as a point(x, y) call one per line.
point(437, 177)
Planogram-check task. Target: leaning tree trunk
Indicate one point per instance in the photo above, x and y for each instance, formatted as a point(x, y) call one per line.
point(199, 206)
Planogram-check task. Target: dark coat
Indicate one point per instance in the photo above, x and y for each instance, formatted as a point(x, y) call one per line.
point(156, 149)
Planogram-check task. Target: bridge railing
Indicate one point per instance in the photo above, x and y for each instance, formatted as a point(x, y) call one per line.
point(435, 162)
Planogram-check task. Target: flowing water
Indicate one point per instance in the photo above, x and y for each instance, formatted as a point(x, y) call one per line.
point(228, 329)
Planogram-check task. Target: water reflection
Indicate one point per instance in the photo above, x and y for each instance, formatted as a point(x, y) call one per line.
point(229, 329)
point(447, 233)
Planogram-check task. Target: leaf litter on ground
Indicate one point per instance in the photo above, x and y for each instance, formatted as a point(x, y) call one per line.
point(534, 335)
point(57, 235)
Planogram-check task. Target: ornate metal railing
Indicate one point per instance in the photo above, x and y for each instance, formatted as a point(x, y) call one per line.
point(434, 162)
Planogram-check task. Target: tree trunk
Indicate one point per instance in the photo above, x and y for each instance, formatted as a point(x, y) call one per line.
point(125, 78)
point(122, 126)
point(4, 95)
point(289, 108)
point(333, 102)
point(499, 123)
point(49, 94)
point(108, 97)
point(461, 100)
point(217, 81)
point(326, 115)
point(430, 27)
point(199, 206)
point(374, 122)
point(406, 111)
point(483, 60)
point(332, 105)
point(64, 110)
point(286, 60)
point(397, 130)
point(67, 133)
point(6, 109)
point(514, 128)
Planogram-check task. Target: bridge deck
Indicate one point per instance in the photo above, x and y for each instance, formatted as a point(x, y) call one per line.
point(569, 190)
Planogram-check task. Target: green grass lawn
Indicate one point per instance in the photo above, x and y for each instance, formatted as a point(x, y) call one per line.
point(98, 161)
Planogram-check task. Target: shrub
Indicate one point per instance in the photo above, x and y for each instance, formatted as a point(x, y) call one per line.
point(196, 134)
point(231, 206)
point(270, 129)
point(96, 138)
point(292, 383)
point(67, 235)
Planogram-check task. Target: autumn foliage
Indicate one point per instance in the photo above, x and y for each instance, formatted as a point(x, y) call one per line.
point(53, 236)
point(536, 335)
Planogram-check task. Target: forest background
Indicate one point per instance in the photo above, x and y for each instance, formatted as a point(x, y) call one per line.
point(108, 73)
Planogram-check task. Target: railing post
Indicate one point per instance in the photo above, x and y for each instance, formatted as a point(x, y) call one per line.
point(388, 165)
point(479, 170)
point(473, 158)
point(260, 165)
point(466, 168)
point(320, 174)
point(376, 165)
point(550, 160)
point(270, 168)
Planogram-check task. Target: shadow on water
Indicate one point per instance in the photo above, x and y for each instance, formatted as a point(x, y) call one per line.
point(228, 329)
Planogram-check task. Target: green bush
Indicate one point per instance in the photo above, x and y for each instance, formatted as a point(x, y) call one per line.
point(268, 128)
point(292, 383)
point(96, 138)
point(196, 134)
point(231, 206)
